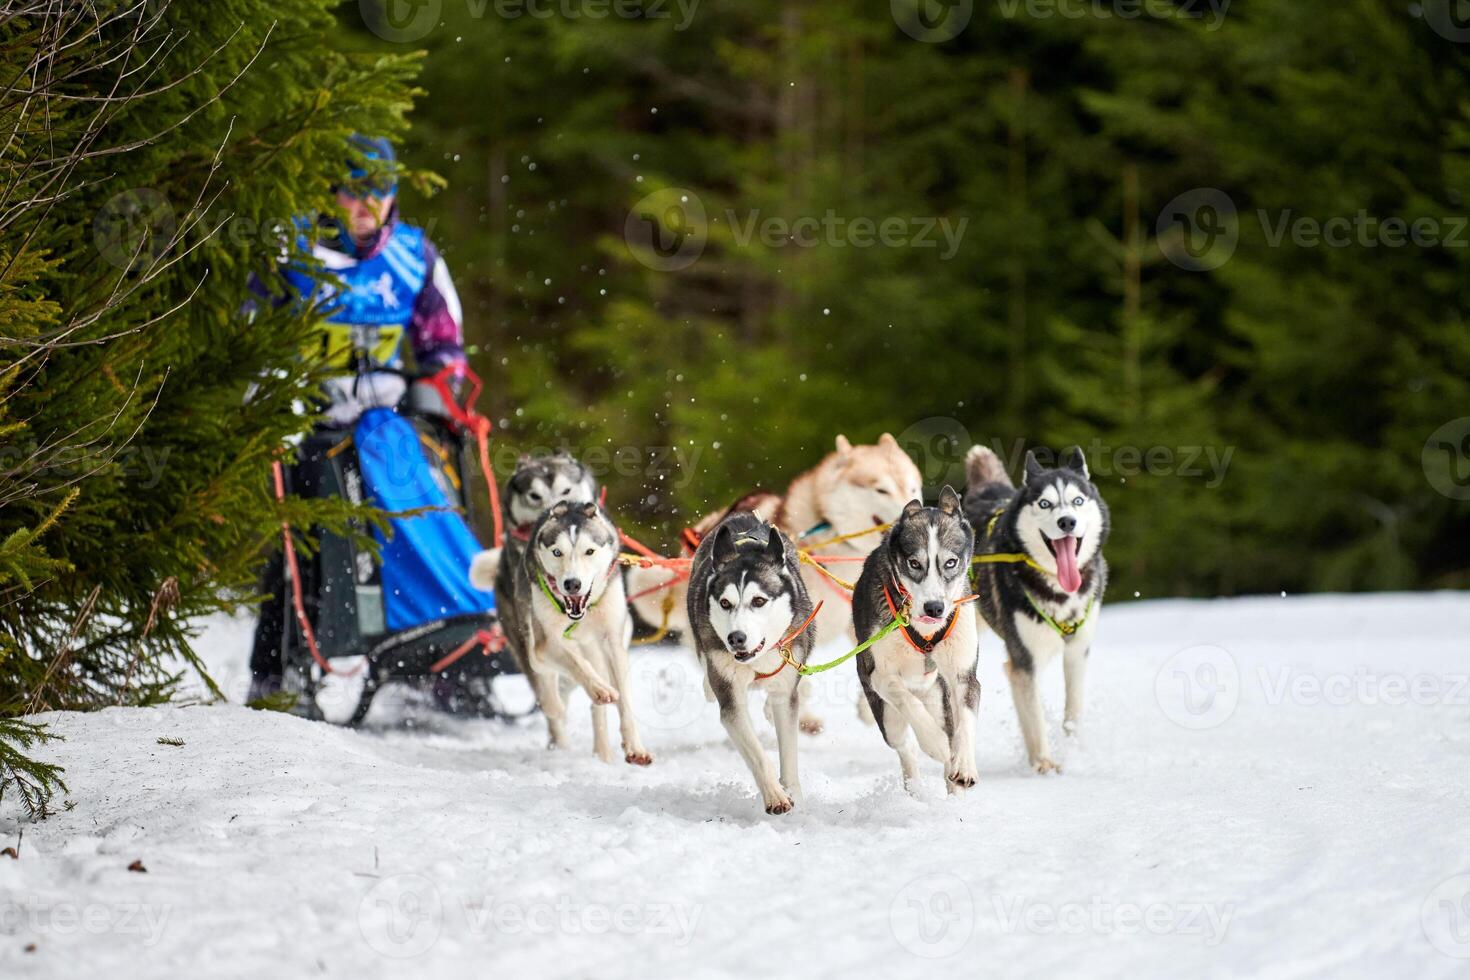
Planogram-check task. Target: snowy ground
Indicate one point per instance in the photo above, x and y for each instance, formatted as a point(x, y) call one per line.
point(1266, 787)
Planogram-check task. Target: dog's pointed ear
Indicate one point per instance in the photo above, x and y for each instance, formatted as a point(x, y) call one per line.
point(523, 459)
point(949, 501)
point(912, 507)
point(588, 509)
point(887, 441)
point(724, 545)
point(561, 509)
point(775, 546)
point(1076, 462)
point(1033, 468)
point(563, 453)
point(843, 446)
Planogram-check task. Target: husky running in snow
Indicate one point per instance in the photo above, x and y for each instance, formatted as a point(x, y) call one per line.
point(922, 676)
point(1046, 603)
point(566, 619)
point(853, 489)
point(747, 599)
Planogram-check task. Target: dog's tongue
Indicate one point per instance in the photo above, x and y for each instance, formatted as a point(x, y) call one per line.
point(1067, 575)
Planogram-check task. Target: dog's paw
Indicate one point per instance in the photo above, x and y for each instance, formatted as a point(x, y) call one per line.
point(604, 695)
point(1071, 727)
point(483, 569)
point(639, 757)
point(783, 804)
point(962, 778)
point(811, 725)
point(1044, 766)
point(605, 755)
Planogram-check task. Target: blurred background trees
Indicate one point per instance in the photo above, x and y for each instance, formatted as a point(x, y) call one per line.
point(1313, 373)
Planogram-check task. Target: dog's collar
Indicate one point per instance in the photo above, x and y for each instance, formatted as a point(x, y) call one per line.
point(1064, 629)
point(784, 647)
point(921, 643)
point(561, 605)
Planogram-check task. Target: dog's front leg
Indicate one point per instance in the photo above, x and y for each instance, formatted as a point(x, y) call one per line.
point(1074, 671)
point(932, 738)
point(544, 682)
point(962, 690)
point(786, 710)
point(633, 750)
point(581, 669)
point(1027, 696)
point(736, 718)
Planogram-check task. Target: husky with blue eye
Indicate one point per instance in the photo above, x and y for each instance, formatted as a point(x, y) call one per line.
point(920, 673)
point(750, 617)
point(1044, 594)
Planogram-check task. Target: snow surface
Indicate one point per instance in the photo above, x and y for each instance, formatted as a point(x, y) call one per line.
point(1264, 787)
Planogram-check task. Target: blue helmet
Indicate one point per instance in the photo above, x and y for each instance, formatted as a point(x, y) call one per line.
point(381, 180)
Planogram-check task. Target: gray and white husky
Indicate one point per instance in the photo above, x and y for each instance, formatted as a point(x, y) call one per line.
point(1048, 604)
point(746, 597)
point(922, 676)
point(566, 619)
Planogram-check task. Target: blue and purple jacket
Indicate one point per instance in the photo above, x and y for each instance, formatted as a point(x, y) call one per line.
point(375, 297)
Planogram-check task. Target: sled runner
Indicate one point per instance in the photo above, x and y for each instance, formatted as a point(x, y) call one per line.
point(409, 613)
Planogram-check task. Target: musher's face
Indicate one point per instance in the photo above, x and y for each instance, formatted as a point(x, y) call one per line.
point(365, 214)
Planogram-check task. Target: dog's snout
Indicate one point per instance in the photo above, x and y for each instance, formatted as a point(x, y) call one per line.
point(1067, 524)
point(933, 609)
point(572, 585)
point(736, 640)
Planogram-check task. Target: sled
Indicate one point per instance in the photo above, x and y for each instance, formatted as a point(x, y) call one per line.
point(407, 613)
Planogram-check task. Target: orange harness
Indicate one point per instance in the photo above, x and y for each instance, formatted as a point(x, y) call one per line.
point(921, 643)
point(788, 638)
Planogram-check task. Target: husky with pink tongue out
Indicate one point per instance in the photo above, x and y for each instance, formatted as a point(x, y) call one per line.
point(1040, 576)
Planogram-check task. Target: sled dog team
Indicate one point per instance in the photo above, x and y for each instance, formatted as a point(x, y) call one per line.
point(755, 600)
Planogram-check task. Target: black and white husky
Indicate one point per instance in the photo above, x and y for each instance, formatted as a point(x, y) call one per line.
point(1044, 598)
point(746, 602)
point(922, 676)
point(566, 619)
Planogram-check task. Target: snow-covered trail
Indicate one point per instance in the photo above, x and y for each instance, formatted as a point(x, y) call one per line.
point(1264, 787)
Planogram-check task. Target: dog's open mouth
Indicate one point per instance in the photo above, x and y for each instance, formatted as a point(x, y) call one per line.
point(743, 655)
point(1064, 550)
point(576, 605)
